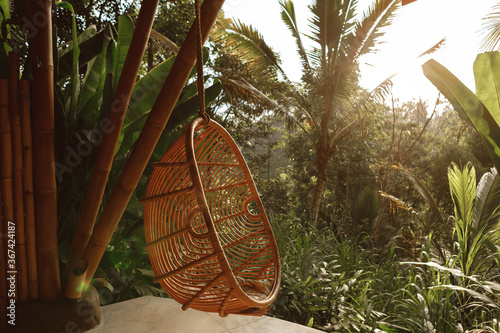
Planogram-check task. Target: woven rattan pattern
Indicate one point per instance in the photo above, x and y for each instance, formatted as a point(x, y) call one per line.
point(209, 240)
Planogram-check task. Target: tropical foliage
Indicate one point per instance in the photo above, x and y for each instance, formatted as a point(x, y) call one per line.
point(328, 100)
point(385, 212)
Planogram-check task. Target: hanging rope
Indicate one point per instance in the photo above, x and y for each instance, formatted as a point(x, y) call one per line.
point(199, 66)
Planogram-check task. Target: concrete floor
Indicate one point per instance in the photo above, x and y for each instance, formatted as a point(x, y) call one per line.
point(162, 315)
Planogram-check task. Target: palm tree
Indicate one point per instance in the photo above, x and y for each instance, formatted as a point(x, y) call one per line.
point(329, 98)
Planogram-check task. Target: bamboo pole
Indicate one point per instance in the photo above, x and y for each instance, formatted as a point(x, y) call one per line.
point(107, 149)
point(6, 162)
point(43, 148)
point(3, 266)
point(17, 173)
point(148, 138)
point(29, 203)
point(76, 284)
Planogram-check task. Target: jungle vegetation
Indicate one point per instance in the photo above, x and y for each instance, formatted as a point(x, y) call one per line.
point(385, 211)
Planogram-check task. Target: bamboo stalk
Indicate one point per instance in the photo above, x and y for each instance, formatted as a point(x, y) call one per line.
point(29, 202)
point(76, 285)
point(148, 138)
point(6, 164)
point(107, 149)
point(43, 148)
point(3, 266)
point(17, 173)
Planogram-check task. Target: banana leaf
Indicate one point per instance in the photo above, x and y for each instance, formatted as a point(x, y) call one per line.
point(125, 32)
point(180, 114)
point(148, 87)
point(93, 84)
point(468, 106)
point(75, 74)
point(91, 44)
point(487, 75)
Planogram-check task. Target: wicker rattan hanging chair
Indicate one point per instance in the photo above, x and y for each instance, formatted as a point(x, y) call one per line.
point(209, 240)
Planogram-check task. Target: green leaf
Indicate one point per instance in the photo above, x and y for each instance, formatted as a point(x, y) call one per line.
point(91, 95)
point(93, 81)
point(487, 74)
point(487, 210)
point(463, 191)
point(125, 32)
point(75, 75)
point(249, 45)
point(4, 35)
point(146, 91)
point(90, 46)
point(179, 115)
point(144, 96)
point(468, 106)
point(370, 26)
point(480, 296)
point(290, 20)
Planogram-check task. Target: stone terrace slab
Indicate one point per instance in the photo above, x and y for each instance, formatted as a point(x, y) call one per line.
point(162, 315)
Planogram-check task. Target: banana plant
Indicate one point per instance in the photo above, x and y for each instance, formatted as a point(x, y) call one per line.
point(480, 110)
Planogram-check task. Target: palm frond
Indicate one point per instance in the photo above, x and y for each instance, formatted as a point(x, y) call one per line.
point(289, 18)
point(249, 45)
point(432, 49)
point(424, 192)
point(487, 212)
point(294, 103)
point(368, 29)
point(381, 90)
point(463, 191)
point(343, 132)
point(330, 22)
point(491, 30)
point(242, 89)
point(164, 42)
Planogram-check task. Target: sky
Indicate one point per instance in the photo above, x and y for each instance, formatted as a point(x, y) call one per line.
point(416, 28)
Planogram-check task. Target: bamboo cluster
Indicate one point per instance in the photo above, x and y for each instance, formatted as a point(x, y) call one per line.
point(17, 248)
point(28, 189)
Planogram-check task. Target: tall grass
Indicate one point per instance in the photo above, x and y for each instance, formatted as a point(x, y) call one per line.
point(336, 284)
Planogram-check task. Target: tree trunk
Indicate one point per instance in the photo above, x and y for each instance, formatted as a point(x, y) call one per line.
point(323, 156)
